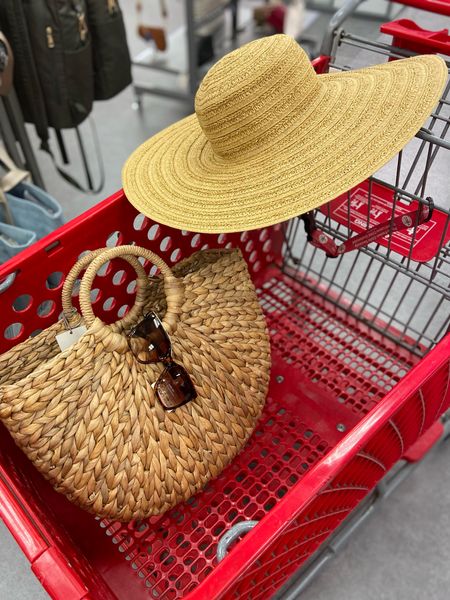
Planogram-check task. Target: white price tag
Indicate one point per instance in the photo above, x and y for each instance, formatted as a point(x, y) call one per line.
point(69, 337)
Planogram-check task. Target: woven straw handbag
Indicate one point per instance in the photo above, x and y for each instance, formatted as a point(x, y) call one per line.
point(93, 418)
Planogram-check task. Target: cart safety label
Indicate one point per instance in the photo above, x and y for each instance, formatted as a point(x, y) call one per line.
point(427, 239)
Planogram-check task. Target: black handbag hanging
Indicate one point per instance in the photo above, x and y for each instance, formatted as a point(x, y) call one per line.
point(60, 39)
point(68, 54)
point(112, 62)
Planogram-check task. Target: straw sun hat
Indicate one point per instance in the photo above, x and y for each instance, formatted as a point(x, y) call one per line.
point(270, 139)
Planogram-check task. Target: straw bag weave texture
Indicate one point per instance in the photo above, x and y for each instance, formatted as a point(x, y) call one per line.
point(24, 358)
point(88, 417)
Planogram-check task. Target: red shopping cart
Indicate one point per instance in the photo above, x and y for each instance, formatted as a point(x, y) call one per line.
point(360, 380)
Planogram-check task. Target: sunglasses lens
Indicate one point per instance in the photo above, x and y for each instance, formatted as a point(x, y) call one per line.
point(144, 328)
point(174, 387)
point(157, 341)
point(140, 349)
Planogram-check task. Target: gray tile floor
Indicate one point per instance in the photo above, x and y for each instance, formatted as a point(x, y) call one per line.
point(402, 552)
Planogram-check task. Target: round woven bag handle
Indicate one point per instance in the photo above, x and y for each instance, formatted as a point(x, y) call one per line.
point(173, 287)
point(81, 264)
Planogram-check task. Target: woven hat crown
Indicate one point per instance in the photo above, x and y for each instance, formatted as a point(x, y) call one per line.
point(251, 96)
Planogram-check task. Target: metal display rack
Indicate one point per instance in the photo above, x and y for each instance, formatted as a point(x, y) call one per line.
point(193, 26)
point(192, 72)
point(13, 132)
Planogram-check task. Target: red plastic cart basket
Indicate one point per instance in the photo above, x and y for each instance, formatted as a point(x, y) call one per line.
point(330, 431)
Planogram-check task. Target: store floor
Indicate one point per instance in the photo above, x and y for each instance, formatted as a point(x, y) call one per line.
point(402, 552)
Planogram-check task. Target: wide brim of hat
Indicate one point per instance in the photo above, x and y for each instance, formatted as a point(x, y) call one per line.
point(360, 120)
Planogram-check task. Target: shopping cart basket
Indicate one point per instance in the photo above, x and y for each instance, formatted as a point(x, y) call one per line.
point(360, 379)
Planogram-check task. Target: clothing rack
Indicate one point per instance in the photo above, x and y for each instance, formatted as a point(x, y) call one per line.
point(14, 134)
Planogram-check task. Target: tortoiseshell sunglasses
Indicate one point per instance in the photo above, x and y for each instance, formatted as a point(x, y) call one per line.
point(174, 387)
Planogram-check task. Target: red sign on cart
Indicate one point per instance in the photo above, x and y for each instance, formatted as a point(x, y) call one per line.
point(425, 241)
